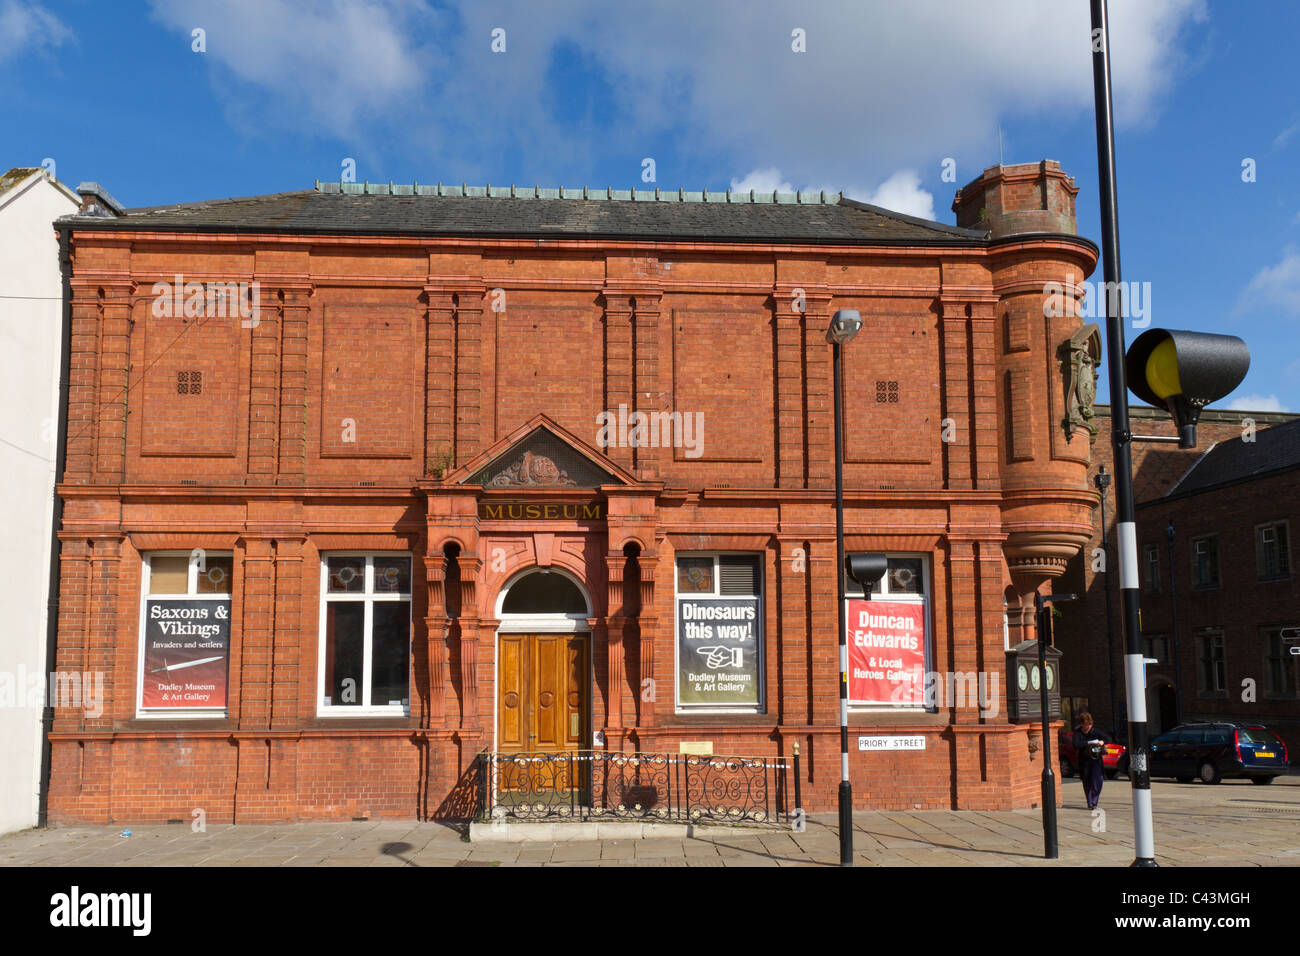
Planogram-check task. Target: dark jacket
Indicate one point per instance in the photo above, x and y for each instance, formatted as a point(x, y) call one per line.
point(1081, 742)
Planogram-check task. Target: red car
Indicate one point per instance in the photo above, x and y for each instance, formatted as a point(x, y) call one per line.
point(1114, 760)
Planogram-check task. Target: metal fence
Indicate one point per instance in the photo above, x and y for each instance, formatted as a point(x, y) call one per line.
point(595, 784)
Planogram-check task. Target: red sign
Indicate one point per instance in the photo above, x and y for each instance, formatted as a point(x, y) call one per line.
point(886, 652)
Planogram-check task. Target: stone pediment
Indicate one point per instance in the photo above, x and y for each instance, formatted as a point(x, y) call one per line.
point(541, 455)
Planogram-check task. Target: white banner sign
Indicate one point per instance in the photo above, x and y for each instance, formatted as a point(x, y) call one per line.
point(891, 743)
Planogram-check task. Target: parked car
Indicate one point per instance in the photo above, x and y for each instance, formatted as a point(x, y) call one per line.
point(1114, 761)
point(1213, 751)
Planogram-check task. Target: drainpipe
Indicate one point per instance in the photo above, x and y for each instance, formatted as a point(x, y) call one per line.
point(56, 519)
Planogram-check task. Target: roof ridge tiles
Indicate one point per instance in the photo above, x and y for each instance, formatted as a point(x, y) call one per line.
point(599, 194)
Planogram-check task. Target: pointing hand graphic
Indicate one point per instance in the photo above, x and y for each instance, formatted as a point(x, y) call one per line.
point(718, 656)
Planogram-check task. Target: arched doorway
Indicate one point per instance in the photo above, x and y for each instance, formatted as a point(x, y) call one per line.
point(543, 657)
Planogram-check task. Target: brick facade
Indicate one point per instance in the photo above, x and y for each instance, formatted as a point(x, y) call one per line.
point(385, 372)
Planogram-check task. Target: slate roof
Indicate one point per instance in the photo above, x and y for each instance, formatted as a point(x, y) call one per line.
point(614, 214)
point(1274, 449)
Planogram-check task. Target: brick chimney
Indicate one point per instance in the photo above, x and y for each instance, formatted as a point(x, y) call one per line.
point(1009, 200)
point(96, 201)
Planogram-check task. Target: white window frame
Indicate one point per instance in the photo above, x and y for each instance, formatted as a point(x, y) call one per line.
point(1209, 637)
point(1272, 633)
point(852, 591)
point(1156, 645)
point(760, 639)
point(1283, 553)
point(1151, 556)
point(369, 597)
point(191, 585)
point(1196, 565)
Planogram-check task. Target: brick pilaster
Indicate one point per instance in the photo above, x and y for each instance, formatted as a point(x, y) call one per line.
point(957, 404)
point(791, 660)
point(471, 706)
point(820, 411)
point(114, 359)
point(82, 382)
point(962, 622)
point(645, 386)
point(76, 567)
point(105, 622)
point(613, 629)
point(647, 628)
point(294, 310)
point(984, 390)
point(264, 387)
point(257, 623)
point(439, 379)
point(799, 310)
point(619, 366)
point(472, 418)
point(289, 631)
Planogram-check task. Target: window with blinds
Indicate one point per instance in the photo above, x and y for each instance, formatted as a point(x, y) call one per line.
point(737, 576)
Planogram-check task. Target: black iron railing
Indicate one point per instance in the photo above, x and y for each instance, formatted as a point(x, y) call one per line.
point(594, 785)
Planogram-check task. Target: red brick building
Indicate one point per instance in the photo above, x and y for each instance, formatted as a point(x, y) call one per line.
point(483, 462)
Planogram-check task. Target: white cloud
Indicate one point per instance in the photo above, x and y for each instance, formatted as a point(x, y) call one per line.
point(26, 26)
point(882, 87)
point(762, 181)
point(1281, 139)
point(1275, 288)
point(1255, 403)
point(334, 63)
point(902, 192)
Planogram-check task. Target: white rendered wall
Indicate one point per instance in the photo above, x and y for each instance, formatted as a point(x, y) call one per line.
point(31, 322)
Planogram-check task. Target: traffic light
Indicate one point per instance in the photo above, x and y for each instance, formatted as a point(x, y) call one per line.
point(1185, 371)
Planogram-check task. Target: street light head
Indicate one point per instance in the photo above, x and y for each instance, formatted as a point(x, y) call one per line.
point(1185, 371)
point(1169, 531)
point(867, 568)
point(844, 325)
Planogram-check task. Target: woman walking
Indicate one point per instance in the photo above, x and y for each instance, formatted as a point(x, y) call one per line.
point(1090, 743)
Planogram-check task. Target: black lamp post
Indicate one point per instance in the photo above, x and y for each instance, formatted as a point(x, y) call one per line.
point(1179, 371)
point(1121, 437)
point(1102, 481)
point(844, 325)
point(1043, 622)
point(1173, 636)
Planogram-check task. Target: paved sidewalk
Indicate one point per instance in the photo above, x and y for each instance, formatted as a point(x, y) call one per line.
point(1231, 824)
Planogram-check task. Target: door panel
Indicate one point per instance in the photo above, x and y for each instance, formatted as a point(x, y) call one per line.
point(547, 702)
point(512, 724)
point(575, 713)
point(542, 692)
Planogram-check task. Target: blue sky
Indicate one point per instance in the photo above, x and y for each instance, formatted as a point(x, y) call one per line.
point(715, 94)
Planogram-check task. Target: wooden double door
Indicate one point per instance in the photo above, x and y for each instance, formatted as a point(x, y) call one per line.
point(543, 692)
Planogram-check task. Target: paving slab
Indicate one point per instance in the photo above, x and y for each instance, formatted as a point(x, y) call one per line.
point(1222, 825)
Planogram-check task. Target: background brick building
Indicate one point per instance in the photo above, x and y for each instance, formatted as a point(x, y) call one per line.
point(410, 424)
point(1239, 480)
